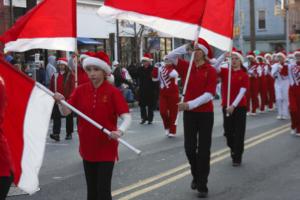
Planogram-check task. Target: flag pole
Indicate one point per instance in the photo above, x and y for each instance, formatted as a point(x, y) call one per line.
point(197, 33)
point(229, 79)
point(97, 125)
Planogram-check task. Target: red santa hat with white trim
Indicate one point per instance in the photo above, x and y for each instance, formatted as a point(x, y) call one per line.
point(100, 60)
point(147, 57)
point(267, 55)
point(238, 53)
point(282, 54)
point(205, 47)
point(250, 54)
point(62, 61)
point(297, 52)
point(261, 55)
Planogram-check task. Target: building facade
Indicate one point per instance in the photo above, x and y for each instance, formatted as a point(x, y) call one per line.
point(270, 25)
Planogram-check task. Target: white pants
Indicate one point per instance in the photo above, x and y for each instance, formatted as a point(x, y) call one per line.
point(282, 97)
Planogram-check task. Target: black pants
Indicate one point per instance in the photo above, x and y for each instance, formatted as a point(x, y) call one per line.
point(5, 182)
point(98, 178)
point(197, 142)
point(147, 112)
point(57, 121)
point(234, 131)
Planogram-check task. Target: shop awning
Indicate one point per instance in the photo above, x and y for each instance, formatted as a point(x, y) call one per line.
point(87, 41)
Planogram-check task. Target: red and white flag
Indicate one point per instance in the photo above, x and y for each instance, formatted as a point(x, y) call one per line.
point(26, 123)
point(179, 18)
point(49, 25)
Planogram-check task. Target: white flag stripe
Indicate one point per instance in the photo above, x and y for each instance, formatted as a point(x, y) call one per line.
point(21, 45)
point(36, 123)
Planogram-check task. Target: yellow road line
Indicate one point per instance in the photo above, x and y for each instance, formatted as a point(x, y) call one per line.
point(184, 166)
point(187, 172)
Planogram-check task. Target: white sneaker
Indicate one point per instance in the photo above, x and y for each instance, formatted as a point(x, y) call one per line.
point(297, 134)
point(278, 117)
point(284, 117)
point(170, 135)
point(253, 114)
point(293, 132)
point(167, 132)
point(248, 114)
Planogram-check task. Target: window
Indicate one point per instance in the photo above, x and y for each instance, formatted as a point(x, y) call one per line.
point(262, 19)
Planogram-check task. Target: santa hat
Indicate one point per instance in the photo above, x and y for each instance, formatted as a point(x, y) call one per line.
point(205, 47)
point(62, 61)
point(250, 54)
point(291, 55)
point(297, 52)
point(282, 54)
point(100, 60)
point(82, 57)
point(238, 53)
point(267, 55)
point(147, 57)
point(261, 55)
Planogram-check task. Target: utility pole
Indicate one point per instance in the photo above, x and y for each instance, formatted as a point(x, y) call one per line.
point(252, 25)
point(241, 26)
point(287, 23)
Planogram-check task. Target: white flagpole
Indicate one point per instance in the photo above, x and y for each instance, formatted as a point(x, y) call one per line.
point(107, 132)
point(197, 33)
point(229, 79)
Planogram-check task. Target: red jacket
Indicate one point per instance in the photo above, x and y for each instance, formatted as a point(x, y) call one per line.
point(5, 156)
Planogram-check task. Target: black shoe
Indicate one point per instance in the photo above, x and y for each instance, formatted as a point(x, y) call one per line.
point(203, 191)
point(68, 137)
point(143, 121)
point(150, 122)
point(55, 137)
point(236, 164)
point(193, 185)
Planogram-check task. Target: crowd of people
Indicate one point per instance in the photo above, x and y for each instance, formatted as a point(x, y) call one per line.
point(257, 83)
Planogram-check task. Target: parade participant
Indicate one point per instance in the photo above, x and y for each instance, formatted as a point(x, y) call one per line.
point(198, 117)
point(62, 82)
point(103, 102)
point(294, 94)
point(262, 81)
point(280, 74)
point(270, 82)
point(167, 76)
point(147, 89)
point(234, 116)
point(252, 94)
point(82, 76)
point(6, 169)
point(50, 70)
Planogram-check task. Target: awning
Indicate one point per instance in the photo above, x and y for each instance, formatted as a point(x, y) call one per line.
point(87, 41)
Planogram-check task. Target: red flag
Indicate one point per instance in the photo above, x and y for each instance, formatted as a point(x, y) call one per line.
point(26, 123)
point(49, 25)
point(179, 18)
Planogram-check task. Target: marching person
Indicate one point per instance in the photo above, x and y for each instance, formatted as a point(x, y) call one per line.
point(6, 168)
point(198, 116)
point(252, 94)
point(64, 83)
point(262, 81)
point(234, 116)
point(82, 76)
point(280, 74)
point(270, 82)
point(50, 70)
point(147, 90)
point(167, 76)
point(104, 103)
point(294, 94)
